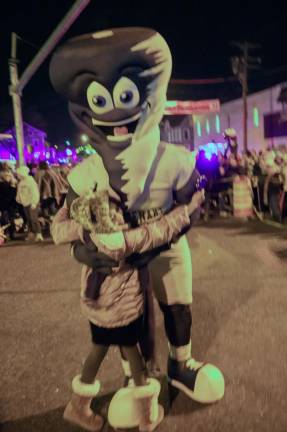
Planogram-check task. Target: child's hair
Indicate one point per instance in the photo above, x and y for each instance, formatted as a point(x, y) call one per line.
point(96, 213)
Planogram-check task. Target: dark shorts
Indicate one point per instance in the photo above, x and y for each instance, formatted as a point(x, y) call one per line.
point(128, 335)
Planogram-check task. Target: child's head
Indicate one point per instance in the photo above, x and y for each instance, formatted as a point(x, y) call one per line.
point(97, 213)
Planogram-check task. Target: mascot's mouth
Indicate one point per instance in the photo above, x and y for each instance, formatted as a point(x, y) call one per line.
point(120, 130)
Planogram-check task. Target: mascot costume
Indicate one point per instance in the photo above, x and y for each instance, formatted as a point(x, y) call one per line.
point(116, 82)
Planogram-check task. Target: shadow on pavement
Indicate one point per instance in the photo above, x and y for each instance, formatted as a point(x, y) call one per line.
point(53, 421)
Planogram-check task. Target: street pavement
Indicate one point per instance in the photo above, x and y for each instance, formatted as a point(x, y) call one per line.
point(239, 324)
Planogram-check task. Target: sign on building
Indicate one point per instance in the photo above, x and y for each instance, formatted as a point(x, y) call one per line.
point(192, 107)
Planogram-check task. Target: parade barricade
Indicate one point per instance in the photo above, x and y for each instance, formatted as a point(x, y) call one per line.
point(242, 197)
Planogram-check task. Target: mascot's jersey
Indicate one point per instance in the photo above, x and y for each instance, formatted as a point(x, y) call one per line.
point(169, 175)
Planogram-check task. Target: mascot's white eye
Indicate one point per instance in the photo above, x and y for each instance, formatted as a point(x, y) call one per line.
point(99, 99)
point(126, 94)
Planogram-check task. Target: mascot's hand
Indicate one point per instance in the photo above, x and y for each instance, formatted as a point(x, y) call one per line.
point(141, 260)
point(196, 201)
point(98, 261)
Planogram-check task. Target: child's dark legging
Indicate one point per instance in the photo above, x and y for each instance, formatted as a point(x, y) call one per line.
point(97, 355)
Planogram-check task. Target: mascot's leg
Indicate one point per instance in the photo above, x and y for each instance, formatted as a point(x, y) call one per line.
point(201, 382)
point(85, 388)
point(136, 406)
point(172, 282)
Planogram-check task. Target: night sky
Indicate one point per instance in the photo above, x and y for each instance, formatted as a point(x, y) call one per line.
point(198, 33)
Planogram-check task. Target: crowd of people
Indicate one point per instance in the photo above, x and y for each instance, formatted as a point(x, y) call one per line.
point(265, 171)
point(32, 195)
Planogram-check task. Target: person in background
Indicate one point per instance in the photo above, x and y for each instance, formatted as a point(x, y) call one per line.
point(61, 181)
point(28, 195)
point(273, 187)
point(8, 205)
point(231, 139)
point(49, 189)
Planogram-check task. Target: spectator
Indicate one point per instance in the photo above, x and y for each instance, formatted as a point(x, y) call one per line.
point(28, 195)
point(272, 190)
point(8, 205)
point(48, 188)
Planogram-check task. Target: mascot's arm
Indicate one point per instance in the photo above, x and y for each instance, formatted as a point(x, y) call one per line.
point(184, 176)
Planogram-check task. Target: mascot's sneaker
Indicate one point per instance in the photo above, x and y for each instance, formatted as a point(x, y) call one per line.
point(202, 382)
point(138, 406)
point(78, 410)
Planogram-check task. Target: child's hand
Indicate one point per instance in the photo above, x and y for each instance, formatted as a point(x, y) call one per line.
point(196, 201)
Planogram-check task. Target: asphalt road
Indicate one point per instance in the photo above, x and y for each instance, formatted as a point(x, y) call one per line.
point(239, 324)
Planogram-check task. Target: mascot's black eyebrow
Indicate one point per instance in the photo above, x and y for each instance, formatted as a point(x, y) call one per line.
point(134, 70)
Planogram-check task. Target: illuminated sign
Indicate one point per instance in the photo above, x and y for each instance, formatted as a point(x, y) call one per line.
point(192, 107)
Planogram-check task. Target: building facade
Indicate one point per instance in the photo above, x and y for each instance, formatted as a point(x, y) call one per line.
point(34, 144)
point(267, 120)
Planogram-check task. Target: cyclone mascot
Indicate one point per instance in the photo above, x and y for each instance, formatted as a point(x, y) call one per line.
point(115, 82)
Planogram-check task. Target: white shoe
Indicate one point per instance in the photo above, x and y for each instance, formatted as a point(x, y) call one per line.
point(30, 236)
point(39, 238)
point(223, 214)
point(202, 382)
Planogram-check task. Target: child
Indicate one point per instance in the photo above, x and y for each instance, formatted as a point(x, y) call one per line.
point(114, 303)
point(28, 195)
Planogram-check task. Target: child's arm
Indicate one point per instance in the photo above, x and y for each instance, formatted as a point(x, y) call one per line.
point(149, 236)
point(163, 231)
point(64, 229)
point(157, 233)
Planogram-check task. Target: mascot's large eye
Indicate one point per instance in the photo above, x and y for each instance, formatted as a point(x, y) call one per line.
point(99, 99)
point(126, 94)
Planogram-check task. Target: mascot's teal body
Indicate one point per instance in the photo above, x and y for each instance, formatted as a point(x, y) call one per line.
point(116, 82)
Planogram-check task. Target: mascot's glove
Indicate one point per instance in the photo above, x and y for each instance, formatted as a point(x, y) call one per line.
point(141, 260)
point(89, 255)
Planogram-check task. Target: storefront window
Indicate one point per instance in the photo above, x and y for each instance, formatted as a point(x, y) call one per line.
point(198, 128)
point(217, 123)
point(256, 117)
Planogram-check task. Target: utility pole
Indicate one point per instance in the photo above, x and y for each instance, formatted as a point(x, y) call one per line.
point(240, 66)
point(17, 85)
point(16, 99)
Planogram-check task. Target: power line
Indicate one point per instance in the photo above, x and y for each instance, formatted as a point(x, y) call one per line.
point(222, 80)
point(27, 42)
point(203, 81)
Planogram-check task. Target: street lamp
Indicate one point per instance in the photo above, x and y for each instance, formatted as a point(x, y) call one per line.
point(84, 138)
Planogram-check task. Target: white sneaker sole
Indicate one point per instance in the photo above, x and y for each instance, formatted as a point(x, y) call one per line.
point(190, 393)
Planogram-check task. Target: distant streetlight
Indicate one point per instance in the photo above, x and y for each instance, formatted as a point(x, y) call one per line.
point(84, 138)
